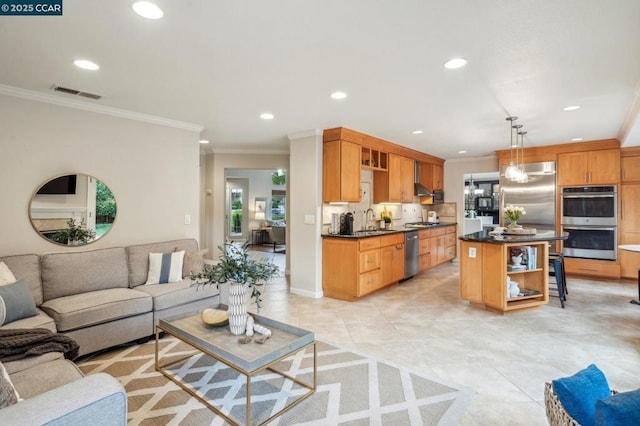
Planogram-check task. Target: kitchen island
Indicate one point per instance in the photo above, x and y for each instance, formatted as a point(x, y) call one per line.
point(488, 262)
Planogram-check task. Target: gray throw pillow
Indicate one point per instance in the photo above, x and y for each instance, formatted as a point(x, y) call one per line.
point(16, 302)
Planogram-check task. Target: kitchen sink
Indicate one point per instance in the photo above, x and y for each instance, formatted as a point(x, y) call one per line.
point(369, 232)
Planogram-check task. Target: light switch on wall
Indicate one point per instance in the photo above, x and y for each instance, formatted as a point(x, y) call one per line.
point(472, 252)
point(309, 219)
point(187, 219)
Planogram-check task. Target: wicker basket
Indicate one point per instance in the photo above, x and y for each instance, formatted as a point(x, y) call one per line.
point(556, 414)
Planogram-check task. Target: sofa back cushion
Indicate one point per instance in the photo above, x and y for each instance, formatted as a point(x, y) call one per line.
point(138, 257)
point(27, 267)
point(64, 274)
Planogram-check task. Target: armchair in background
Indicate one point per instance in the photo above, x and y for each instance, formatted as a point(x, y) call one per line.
point(278, 235)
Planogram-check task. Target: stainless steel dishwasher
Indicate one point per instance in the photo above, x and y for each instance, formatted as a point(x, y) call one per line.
point(411, 253)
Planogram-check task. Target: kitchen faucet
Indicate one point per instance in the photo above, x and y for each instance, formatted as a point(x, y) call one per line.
point(373, 217)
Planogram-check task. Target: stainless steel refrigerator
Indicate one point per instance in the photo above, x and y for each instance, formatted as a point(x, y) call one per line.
point(537, 196)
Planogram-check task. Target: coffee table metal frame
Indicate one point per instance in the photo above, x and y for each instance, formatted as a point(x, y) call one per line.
point(249, 368)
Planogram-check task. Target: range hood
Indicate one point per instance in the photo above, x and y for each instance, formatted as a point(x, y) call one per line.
point(419, 189)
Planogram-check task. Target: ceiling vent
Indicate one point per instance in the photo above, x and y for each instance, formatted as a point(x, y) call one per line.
point(75, 92)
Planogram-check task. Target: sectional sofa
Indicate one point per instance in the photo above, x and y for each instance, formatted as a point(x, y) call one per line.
point(99, 299)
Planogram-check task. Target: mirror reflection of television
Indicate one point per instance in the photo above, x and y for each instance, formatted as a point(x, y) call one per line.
point(61, 185)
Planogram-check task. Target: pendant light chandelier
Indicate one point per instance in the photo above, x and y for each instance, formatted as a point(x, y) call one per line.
point(515, 170)
point(511, 171)
point(523, 177)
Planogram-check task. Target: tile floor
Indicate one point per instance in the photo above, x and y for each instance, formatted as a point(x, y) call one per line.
point(424, 325)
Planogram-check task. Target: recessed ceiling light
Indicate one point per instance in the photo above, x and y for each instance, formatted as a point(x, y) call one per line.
point(266, 116)
point(148, 10)
point(462, 152)
point(417, 132)
point(86, 64)
point(571, 107)
point(204, 141)
point(576, 139)
point(338, 95)
point(455, 63)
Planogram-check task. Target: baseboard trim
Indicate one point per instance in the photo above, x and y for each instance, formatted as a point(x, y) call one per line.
point(305, 293)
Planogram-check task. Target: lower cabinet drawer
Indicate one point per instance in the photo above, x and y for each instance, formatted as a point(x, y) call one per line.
point(369, 260)
point(369, 281)
point(450, 240)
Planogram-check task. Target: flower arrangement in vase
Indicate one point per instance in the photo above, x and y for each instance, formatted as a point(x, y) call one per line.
point(513, 213)
point(237, 268)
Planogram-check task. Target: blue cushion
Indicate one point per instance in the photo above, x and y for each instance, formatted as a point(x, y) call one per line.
point(622, 409)
point(579, 393)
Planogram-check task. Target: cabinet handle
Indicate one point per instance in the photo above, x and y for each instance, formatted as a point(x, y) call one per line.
point(622, 215)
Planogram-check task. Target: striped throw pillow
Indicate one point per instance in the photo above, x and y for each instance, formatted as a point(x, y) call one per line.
point(165, 267)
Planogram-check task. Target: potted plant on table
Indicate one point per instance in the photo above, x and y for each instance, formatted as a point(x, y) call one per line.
point(513, 213)
point(237, 268)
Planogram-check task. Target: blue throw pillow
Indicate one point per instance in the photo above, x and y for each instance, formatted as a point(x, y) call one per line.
point(622, 409)
point(579, 393)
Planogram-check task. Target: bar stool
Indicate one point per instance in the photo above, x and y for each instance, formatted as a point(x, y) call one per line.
point(556, 269)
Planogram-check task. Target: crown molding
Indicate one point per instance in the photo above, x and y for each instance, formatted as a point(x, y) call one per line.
point(33, 95)
point(244, 151)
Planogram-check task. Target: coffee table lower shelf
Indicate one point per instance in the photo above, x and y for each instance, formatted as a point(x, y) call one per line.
point(162, 368)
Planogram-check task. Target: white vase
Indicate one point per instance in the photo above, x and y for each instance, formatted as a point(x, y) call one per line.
point(237, 310)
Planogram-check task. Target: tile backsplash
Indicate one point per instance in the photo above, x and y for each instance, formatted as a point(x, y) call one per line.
point(400, 213)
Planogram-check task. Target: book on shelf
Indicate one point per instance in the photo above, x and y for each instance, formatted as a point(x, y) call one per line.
point(522, 258)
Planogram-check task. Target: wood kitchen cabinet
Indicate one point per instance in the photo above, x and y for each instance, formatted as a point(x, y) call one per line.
point(436, 246)
point(395, 185)
point(589, 167)
point(392, 255)
point(352, 267)
point(630, 169)
point(432, 176)
point(629, 230)
point(341, 171)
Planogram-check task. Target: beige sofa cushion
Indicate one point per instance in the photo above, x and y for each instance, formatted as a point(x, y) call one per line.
point(138, 257)
point(41, 320)
point(27, 268)
point(66, 274)
point(96, 307)
point(175, 294)
point(50, 375)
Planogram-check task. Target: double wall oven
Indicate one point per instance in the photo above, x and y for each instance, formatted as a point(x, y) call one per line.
point(590, 216)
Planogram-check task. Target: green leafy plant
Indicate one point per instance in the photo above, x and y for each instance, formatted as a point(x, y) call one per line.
point(236, 266)
point(75, 232)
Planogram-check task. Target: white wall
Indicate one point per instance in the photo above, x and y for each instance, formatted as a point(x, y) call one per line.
point(152, 169)
point(305, 202)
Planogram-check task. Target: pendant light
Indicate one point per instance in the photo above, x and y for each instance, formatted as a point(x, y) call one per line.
point(511, 171)
point(519, 172)
point(523, 177)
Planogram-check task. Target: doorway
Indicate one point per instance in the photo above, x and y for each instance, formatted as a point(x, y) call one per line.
point(236, 210)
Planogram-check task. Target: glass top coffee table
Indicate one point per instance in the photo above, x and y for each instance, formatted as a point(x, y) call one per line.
point(248, 359)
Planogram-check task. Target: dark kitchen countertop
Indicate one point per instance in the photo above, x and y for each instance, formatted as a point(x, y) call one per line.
point(484, 237)
point(379, 232)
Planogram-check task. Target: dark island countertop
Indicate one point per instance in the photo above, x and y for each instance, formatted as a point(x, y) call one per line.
point(484, 236)
point(379, 232)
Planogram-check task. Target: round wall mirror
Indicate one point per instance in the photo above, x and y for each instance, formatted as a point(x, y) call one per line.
point(72, 209)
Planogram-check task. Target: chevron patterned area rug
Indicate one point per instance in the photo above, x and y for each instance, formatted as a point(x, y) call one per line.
point(352, 389)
